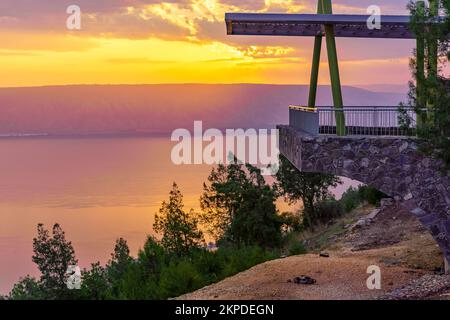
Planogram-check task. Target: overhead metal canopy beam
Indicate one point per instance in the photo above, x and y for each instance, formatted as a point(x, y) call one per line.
point(308, 25)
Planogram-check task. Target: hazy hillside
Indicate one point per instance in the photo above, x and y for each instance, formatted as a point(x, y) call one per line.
point(159, 108)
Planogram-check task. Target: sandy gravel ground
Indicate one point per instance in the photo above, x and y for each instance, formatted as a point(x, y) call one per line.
point(342, 276)
point(395, 241)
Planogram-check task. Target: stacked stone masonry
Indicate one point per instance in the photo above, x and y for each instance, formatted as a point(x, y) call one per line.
point(393, 165)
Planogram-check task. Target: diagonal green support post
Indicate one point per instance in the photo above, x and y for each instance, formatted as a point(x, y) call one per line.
point(420, 63)
point(420, 67)
point(334, 71)
point(432, 67)
point(433, 45)
point(315, 64)
point(325, 7)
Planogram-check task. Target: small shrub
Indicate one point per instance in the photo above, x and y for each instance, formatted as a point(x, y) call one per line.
point(351, 199)
point(291, 222)
point(291, 244)
point(179, 278)
point(207, 263)
point(235, 260)
point(371, 195)
point(327, 210)
point(296, 248)
point(27, 288)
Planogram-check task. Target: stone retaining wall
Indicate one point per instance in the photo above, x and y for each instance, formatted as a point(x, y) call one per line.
point(392, 165)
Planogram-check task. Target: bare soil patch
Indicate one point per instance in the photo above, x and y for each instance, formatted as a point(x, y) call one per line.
point(394, 240)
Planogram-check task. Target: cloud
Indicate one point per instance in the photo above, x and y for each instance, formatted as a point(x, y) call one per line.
point(360, 6)
point(11, 53)
point(136, 61)
point(144, 18)
point(266, 52)
point(17, 42)
point(198, 21)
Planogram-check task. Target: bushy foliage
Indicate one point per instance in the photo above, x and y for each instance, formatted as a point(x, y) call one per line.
point(179, 228)
point(371, 195)
point(310, 188)
point(291, 222)
point(354, 197)
point(118, 265)
point(237, 204)
point(239, 207)
point(327, 210)
point(95, 284)
point(430, 94)
point(53, 255)
point(27, 288)
point(180, 277)
point(293, 245)
point(350, 199)
point(235, 260)
point(156, 273)
point(170, 275)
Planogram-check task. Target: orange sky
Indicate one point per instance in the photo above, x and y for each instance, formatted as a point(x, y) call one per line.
point(149, 41)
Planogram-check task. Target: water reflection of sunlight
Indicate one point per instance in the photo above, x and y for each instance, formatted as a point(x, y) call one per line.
point(97, 189)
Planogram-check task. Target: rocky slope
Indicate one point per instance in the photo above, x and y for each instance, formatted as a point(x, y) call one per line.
point(388, 237)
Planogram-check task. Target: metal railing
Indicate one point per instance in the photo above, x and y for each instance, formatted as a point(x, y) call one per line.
point(376, 121)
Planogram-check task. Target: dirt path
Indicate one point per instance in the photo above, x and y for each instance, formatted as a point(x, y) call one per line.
point(339, 277)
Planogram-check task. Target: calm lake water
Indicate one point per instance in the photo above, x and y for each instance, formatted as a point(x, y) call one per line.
point(98, 189)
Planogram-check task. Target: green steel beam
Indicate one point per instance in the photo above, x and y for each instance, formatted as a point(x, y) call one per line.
point(334, 71)
point(315, 64)
point(420, 66)
point(433, 45)
point(432, 67)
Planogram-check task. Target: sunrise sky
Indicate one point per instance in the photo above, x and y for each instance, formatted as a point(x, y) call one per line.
point(185, 41)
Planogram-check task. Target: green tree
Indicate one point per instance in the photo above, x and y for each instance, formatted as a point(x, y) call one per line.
point(310, 188)
point(53, 255)
point(118, 265)
point(179, 228)
point(28, 288)
point(238, 206)
point(178, 278)
point(429, 95)
point(120, 259)
point(152, 257)
point(95, 285)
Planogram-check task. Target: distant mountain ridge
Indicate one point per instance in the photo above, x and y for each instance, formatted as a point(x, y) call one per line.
point(128, 109)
